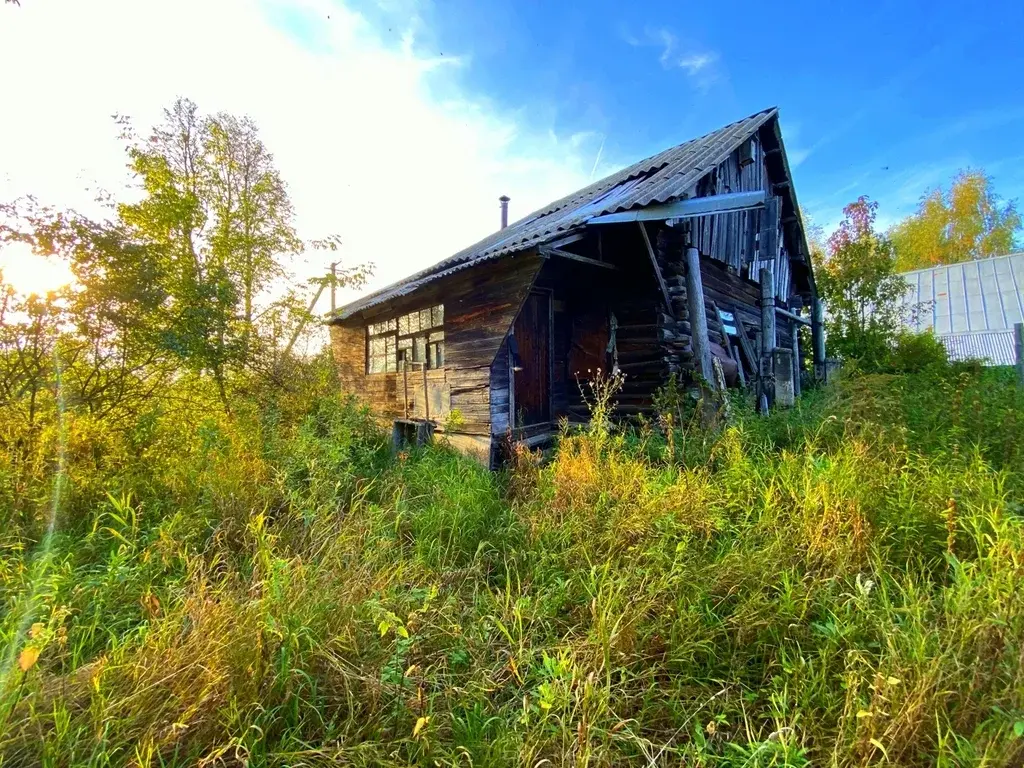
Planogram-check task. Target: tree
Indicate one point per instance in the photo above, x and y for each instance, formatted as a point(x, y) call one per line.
point(218, 211)
point(967, 221)
point(861, 288)
point(191, 277)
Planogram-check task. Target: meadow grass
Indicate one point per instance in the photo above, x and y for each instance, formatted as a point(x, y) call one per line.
point(837, 584)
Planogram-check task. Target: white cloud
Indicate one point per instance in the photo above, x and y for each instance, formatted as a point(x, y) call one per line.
point(695, 63)
point(702, 67)
point(378, 142)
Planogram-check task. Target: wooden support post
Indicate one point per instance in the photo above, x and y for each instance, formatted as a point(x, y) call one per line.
point(768, 340)
point(426, 395)
point(818, 339)
point(767, 332)
point(698, 316)
point(405, 385)
point(796, 358)
point(1018, 338)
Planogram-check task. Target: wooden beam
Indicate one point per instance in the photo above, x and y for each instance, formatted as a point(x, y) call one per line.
point(657, 270)
point(710, 205)
point(547, 251)
point(564, 241)
point(698, 316)
point(792, 316)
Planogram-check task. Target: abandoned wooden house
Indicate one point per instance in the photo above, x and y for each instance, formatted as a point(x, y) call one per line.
point(689, 257)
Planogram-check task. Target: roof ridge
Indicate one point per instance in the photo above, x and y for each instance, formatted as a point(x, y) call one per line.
point(571, 211)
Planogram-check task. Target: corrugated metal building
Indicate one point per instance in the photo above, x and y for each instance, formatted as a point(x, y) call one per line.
point(971, 307)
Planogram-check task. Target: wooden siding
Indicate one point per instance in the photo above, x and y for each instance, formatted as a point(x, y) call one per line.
point(732, 238)
point(480, 304)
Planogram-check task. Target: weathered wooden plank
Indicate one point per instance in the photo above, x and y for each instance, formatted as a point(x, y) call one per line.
point(654, 265)
point(727, 346)
point(577, 258)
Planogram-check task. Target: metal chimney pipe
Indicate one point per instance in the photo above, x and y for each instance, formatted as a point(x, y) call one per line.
point(504, 210)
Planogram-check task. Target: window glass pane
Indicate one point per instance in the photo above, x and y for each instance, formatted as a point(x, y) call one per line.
point(414, 322)
point(438, 314)
point(376, 365)
point(437, 336)
point(439, 354)
point(392, 324)
point(391, 364)
point(405, 343)
point(425, 320)
point(403, 325)
point(377, 347)
point(419, 353)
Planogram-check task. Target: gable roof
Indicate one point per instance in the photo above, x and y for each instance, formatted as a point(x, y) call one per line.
point(661, 178)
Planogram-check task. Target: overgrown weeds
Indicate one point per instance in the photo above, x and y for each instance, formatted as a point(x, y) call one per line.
point(839, 584)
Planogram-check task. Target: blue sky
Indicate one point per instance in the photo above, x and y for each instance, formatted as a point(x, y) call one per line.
point(398, 123)
point(884, 99)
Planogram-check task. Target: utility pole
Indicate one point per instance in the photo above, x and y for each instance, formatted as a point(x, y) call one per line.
point(312, 305)
point(334, 285)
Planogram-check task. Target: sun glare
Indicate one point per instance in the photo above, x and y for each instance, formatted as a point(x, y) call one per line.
point(29, 273)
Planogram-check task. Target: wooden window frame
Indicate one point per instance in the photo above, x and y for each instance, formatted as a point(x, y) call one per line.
point(429, 347)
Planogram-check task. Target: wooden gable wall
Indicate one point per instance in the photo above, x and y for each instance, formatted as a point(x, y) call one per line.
point(480, 305)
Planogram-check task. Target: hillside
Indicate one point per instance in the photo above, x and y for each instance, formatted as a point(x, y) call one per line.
point(840, 584)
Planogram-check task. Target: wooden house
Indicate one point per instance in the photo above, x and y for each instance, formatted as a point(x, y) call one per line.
point(694, 255)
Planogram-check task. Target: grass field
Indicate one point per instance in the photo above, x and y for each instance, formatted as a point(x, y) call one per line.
point(840, 584)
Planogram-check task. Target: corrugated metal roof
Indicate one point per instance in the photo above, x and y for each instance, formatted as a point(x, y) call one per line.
point(992, 347)
point(658, 179)
point(981, 295)
point(971, 306)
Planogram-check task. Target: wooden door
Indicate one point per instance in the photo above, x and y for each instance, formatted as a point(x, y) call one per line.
point(532, 332)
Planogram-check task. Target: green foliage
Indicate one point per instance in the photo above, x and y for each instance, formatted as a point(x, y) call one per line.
point(184, 583)
point(183, 279)
point(915, 352)
point(836, 584)
point(967, 221)
point(861, 288)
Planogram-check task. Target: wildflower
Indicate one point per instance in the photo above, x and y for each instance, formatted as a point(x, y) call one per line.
point(28, 658)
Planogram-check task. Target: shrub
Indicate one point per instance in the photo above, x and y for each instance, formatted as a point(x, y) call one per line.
point(915, 352)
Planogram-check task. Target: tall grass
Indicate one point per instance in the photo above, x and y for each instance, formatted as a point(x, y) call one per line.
point(839, 584)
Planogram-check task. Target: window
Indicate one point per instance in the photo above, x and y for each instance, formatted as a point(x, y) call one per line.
point(417, 337)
